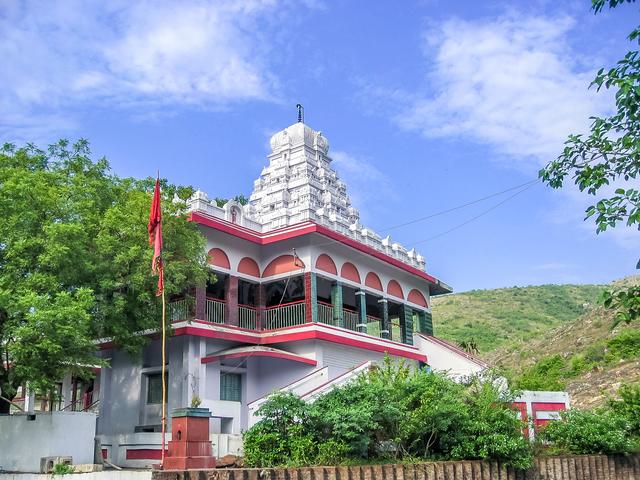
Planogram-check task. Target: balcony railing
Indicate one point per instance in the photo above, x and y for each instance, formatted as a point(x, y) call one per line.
point(325, 314)
point(215, 311)
point(373, 326)
point(286, 315)
point(247, 317)
point(350, 319)
point(396, 330)
point(183, 309)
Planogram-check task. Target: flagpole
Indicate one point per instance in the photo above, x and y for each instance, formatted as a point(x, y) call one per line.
point(164, 347)
point(157, 267)
point(164, 385)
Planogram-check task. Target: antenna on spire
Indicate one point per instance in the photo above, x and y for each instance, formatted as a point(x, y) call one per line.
point(300, 113)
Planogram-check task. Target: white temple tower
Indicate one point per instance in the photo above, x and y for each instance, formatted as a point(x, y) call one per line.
point(299, 183)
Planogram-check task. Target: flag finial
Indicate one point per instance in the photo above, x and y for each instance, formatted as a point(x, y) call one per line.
point(300, 113)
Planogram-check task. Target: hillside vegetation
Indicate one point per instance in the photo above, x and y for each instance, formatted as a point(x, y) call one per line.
point(551, 337)
point(510, 316)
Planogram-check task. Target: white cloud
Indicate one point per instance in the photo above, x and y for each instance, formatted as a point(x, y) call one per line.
point(516, 85)
point(61, 56)
point(512, 83)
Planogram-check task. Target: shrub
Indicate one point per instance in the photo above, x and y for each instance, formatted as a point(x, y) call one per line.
point(626, 345)
point(280, 438)
point(62, 469)
point(547, 374)
point(628, 406)
point(392, 412)
point(492, 429)
point(589, 432)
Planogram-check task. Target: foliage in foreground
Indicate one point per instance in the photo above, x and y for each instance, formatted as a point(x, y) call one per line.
point(609, 156)
point(613, 429)
point(392, 413)
point(75, 261)
point(589, 432)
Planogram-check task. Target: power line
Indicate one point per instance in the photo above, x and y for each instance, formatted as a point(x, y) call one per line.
point(526, 185)
point(466, 222)
point(458, 207)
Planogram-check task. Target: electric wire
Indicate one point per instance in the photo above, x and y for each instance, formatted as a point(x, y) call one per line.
point(458, 207)
point(523, 186)
point(481, 214)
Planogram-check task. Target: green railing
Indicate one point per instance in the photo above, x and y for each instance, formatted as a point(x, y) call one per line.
point(396, 329)
point(373, 326)
point(180, 310)
point(247, 317)
point(215, 311)
point(325, 314)
point(286, 315)
point(351, 319)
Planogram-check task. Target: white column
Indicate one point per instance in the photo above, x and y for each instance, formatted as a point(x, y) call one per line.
point(29, 400)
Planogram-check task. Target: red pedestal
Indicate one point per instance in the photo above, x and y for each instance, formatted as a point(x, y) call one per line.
point(189, 447)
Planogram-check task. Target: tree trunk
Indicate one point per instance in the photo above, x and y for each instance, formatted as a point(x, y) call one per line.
point(4, 406)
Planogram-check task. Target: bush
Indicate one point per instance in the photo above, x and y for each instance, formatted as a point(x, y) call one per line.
point(626, 345)
point(547, 374)
point(280, 439)
point(394, 413)
point(628, 406)
point(589, 432)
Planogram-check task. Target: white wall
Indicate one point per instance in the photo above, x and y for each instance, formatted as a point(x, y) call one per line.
point(444, 358)
point(108, 475)
point(118, 445)
point(23, 442)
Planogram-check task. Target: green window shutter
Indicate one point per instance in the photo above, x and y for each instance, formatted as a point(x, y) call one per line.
point(230, 387)
point(427, 323)
point(154, 388)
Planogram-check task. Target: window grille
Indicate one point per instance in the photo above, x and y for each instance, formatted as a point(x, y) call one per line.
point(154, 387)
point(230, 387)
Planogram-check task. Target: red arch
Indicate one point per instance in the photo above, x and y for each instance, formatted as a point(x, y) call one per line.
point(248, 266)
point(283, 264)
point(326, 264)
point(218, 258)
point(350, 272)
point(415, 296)
point(394, 288)
point(372, 280)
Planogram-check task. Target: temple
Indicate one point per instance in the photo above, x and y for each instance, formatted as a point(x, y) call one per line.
point(304, 298)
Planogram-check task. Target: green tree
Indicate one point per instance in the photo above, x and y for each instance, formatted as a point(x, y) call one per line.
point(75, 261)
point(608, 155)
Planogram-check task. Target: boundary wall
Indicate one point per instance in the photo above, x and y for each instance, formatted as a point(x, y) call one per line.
point(580, 467)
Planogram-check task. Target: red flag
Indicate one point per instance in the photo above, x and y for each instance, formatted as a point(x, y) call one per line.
point(155, 237)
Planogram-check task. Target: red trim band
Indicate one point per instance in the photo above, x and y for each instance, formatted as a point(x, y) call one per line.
point(313, 334)
point(283, 355)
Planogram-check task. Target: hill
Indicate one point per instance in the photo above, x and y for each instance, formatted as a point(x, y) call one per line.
point(551, 337)
point(584, 357)
point(510, 316)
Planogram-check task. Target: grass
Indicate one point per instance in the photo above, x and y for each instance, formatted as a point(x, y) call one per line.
point(585, 355)
point(508, 317)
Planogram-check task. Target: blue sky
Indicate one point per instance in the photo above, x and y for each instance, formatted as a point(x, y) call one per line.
point(426, 104)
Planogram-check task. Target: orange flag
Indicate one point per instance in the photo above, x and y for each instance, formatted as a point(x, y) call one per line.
point(155, 237)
